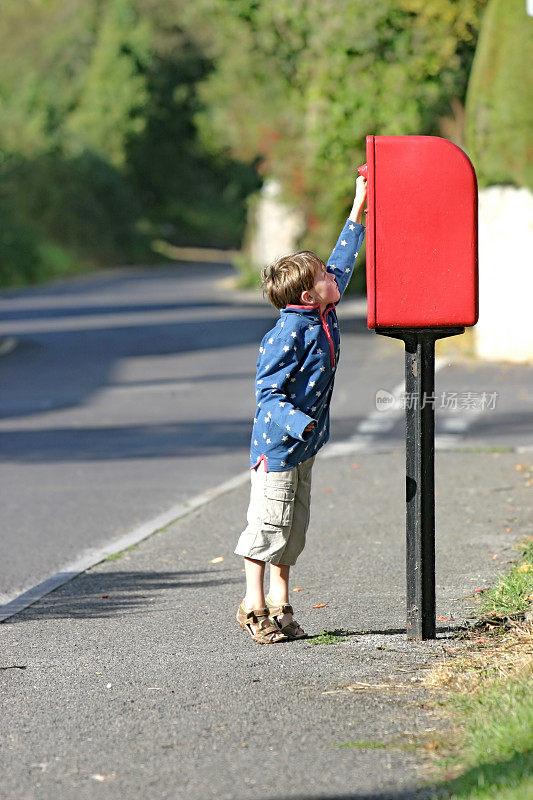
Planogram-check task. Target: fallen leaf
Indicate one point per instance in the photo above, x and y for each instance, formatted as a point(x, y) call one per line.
point(494, 557)
point(104, 597)
point(525, 568)
point(480, 641)
point(299, 589)
point(217, 560)
point(431, 746)
point(355, 465)
point(320, 605)
point(479, 591)
point(520, 466)
point(508, 530)
point(446, 619)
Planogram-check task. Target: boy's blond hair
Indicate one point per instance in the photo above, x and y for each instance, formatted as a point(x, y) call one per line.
point(287, 277)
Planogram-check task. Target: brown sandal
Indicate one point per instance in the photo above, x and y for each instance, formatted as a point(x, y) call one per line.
point(291, 628)
point(259, 625)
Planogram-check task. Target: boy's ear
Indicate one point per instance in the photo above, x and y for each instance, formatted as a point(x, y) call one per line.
point(307, 298)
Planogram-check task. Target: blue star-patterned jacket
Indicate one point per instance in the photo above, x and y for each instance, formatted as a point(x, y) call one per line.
point(296, 370)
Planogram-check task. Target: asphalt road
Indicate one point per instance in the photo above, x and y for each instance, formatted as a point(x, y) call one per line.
point(132, 390)
point(128, 392)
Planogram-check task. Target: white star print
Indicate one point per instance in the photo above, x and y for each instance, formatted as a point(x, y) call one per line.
point(286, 348)
point(291, 449)
point(281, 405)
point(322, 369)
point(283, 323)
point(312, 383)
point(282, 463)
point(270, 413)
point(266, 419)
point(260, 381)
point(284, 438)
point(268, 441)
point(332, 266)
point(282, 364)
point(292, 411)
point(255, 420)
point(352, 227)
point(287, 374)
point(273, 385)
point(313, 408)
point(293, 380)
point(319, 351)
point(256, 442)
point(261, 349)
point(347, 269)
point(317, 394)
point(287, 427)
point(264, 436)
point(293, 396)
point(311, 328)
point(271, 340)
point(344, 243)
point(293, 334)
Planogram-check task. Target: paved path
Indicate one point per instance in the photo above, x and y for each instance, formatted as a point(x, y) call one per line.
point(134, 681)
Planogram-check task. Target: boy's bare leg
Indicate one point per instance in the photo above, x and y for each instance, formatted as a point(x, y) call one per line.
point(279, 583)
point(255, 593)
point(279, 589)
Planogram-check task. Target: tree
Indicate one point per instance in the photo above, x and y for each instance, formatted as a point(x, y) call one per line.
point(300, 83)
point(499, 124)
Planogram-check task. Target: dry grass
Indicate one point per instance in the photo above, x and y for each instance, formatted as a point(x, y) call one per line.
point(492, 657)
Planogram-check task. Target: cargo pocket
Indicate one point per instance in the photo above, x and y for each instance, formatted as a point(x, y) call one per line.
point(279, 505)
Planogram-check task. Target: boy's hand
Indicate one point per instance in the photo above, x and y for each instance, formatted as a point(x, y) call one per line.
point(309, 427)
point(359, 200)
point(360, 190)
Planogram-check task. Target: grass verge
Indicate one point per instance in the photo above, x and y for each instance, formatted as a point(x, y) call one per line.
point(488, 752)
point(330, 637)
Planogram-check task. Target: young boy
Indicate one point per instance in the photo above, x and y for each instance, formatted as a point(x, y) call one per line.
point(294, 382)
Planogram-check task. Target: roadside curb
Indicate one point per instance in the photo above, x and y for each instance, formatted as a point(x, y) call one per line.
point(94, 556)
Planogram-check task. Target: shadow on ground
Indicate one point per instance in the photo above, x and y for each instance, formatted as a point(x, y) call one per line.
point(112, 593)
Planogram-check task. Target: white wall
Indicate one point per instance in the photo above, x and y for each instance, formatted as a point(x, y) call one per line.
point(276, 226)
point(505, 327)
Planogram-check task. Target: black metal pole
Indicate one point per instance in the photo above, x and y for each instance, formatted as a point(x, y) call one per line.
point(420, 474)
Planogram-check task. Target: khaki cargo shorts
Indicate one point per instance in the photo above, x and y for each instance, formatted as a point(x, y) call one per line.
point(278, 514)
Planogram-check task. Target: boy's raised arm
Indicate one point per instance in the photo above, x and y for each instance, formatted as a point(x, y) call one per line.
point(342, 260)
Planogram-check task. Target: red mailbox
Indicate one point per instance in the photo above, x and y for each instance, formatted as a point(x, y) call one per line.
point(421, 252)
